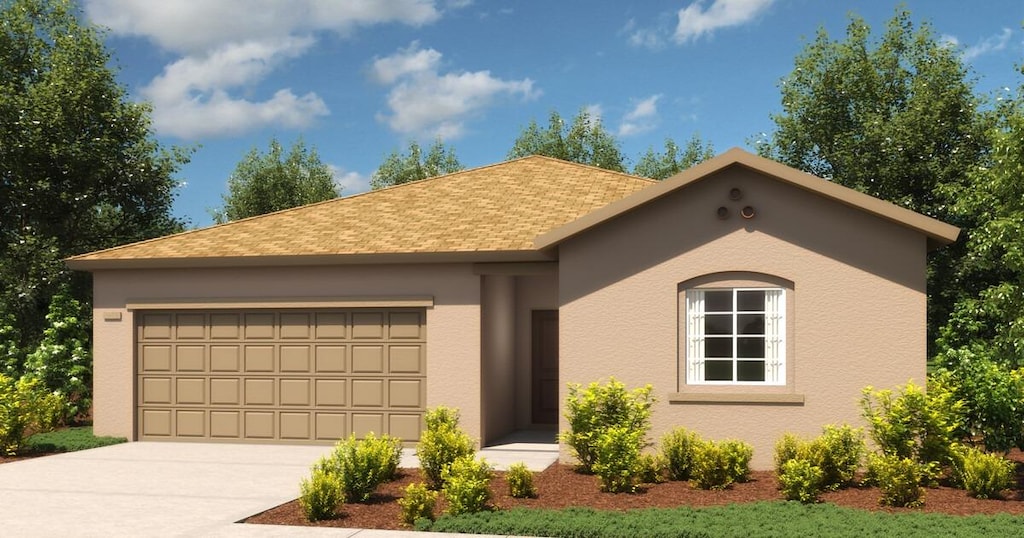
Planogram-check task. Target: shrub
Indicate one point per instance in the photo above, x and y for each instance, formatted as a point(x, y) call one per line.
point(718, 465)
point(678, 447)
point(651, 468)
point(520, 481)
point(321, 494)
point(983, 475)
point(417, 503)
point(991, 394)
point(913, 424)
point(839, 453)
point(898, 478)
point(467, 485)
point(63, 361)
point(26, 407)
point(789, 447)
point(617, 458)
point(441, 444)
point(800, 480)
point(593, 410)
point(362, 465)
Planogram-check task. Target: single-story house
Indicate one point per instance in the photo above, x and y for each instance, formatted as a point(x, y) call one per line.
point(755, 298)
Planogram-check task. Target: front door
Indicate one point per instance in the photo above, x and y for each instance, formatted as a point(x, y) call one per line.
point(545, 367)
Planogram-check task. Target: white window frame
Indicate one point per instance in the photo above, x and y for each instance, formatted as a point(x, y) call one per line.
point(774, 329)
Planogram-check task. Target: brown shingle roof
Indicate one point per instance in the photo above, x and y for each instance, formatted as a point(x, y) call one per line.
point(500, 208)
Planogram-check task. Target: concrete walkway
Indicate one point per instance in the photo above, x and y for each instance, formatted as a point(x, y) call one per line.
point(180, 489)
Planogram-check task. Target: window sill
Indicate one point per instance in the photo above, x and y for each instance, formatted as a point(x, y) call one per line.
point(735, 398)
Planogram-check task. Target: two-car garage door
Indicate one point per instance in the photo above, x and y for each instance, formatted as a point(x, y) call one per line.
point(280, 375)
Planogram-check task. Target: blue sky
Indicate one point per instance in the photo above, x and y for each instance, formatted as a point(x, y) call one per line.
point(357, 79)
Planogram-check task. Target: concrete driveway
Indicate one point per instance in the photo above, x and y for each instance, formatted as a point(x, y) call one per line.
point(177, 489)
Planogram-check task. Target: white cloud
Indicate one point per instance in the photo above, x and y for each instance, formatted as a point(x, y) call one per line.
point(423, 101)
point(642, 118)
point(990, 44)
point(348, 181)
point(695, 21)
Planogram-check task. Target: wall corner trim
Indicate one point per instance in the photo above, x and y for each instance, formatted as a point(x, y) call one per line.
point(735, 398)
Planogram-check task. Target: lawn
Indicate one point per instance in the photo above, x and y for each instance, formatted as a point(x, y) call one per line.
point(64, 440)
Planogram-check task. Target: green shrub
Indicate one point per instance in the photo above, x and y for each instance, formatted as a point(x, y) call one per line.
point(617, 458)
point(26, 407)
point(321, 495)
point(840, 451)
point(441, 444)
point(651, 468)
point(63, 361)
point(597, 408)
point(678, 447)
point(913, 424)
point(800, 480)
point(718, 465)
point(362, 465)
point(991, 394)
point(520, 481)
point(983, 475)
point(467, 485)
point(789, 447)
point(899, 479)
point(417, 503)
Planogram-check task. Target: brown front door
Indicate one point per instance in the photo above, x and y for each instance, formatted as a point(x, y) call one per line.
point(545, 366)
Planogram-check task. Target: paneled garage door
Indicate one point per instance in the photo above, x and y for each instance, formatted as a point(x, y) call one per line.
point(280, 375)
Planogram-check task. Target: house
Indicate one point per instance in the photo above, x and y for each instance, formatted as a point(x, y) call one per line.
point(755, 298)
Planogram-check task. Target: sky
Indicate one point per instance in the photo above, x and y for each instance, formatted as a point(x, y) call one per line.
point(358, 79)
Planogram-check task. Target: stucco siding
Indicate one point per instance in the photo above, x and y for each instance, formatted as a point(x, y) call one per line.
point(453, 322)
point(498, 355)
point(856, 313)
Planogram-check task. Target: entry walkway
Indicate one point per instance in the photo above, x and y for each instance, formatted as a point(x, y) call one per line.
point(180, 489)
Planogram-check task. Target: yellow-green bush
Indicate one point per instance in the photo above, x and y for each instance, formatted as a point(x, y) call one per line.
point(467, 485)
point(718, 465)
point(593, 410)
point(321, 495)
point(899, 479)
point(441, 444)
point(800, 480)
point(362, 465)
point(26, 407)
point(678, 447)
point(983, 475)
point(417, 503)
point(520, 481)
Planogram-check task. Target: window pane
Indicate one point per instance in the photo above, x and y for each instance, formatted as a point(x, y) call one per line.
point(749, 347)
point(750, 323)
point(718, 301)
point(750, 301)
point(718, 324)
point(718, 347)
point(750, 371)
point(718, 371)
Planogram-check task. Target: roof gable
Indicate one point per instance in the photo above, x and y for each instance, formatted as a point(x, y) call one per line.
point(937, 232)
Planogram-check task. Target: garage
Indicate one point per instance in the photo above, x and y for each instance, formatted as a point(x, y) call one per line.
point(281, 375)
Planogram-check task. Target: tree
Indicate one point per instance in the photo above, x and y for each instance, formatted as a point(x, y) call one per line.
point(895, 118)
point(674, 160)
point(585, 141)
point(399, 168)
point(267, 182)
point(80, 169)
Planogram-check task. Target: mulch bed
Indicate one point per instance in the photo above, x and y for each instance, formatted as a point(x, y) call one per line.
point(560, 486)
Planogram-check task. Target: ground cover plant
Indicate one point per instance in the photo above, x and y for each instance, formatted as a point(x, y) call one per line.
point(68, 440)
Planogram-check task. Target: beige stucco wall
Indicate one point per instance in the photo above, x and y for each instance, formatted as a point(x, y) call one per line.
point(857, 308)
point(533, 292)
point(497, 360)
point(453, 323)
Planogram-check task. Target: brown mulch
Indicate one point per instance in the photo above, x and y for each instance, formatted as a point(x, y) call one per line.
point(560, 486)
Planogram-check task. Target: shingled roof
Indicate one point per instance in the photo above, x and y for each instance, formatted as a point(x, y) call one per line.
point(492, 213)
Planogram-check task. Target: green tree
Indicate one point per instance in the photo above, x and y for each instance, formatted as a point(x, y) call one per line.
point(80, 169)
point(267, 182)
point(399, 168)
point(584, 141)
point(894, 117)
point(674, 160)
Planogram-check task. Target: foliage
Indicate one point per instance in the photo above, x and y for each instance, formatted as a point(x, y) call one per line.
point(584, 141)
point(520, 482)
point(749, 520)
point(267, 182)
point(362, 465)
point(678, 447)
point(983, 475)
point(441, 444)
point(413, 166)
point(321, 494)
point(912, 424)
point(63, 360)
point(417, 502)
point(80, 168)
point(993, 398)
point(26, 407)
point(898, 478)
point(836, 454)
point(892, 115)
point(674, 160)
point(801, 480)
point(69, 440)
point(719, 465)
point(467, 485)
point(592, 411)
point(617, 458)
point(651, 468)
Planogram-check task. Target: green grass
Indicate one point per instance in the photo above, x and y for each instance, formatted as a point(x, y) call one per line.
point(755, 520)
point(68, 440)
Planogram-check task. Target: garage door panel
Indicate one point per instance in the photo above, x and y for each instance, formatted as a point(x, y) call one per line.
point(290, 375)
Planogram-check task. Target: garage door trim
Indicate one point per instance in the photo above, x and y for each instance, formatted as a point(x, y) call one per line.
point(235, 303)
